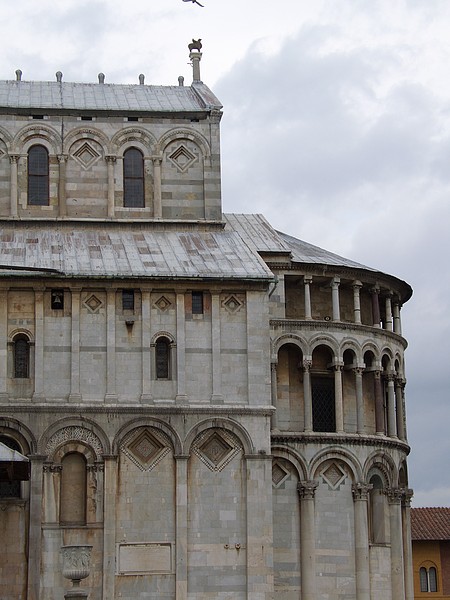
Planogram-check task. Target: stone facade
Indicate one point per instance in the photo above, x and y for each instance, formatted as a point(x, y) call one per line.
point(215, 407)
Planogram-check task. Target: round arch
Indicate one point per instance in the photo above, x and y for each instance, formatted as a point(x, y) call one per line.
point(219, 423)
point(84, 133)
point(324, 340)
point(183, 134)
point(32, 135)
point(288, 338)
point(20, 432)
point(297, 461)
point(149, 422)
point(384, 463)
point(133, 137)
point(74, 429)
point(337, 453)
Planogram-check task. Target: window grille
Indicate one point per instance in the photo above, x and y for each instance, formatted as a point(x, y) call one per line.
point(133, 179)
point(38, 179)
point(197, 303)
point(162, 351)
point(21, 357)
point(127, 299)
point(324, 416)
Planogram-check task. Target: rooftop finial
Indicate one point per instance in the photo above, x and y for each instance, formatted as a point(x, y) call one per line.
point(141, 79)
point(195, 55)
point(59, 76)
point(18, 75)
point(181, 80)
point(101, 78)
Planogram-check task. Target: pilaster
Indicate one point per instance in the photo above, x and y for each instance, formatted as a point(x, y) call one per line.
point(362, 563)
point(307, 490)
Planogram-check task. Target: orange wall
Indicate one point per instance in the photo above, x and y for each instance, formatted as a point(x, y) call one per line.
point(427, 554)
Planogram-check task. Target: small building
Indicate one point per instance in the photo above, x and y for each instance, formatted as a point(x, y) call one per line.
point(430, 532)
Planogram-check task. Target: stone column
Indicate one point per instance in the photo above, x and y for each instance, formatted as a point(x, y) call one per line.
point(35, 526)
point(111, 391)
point(62, 159)
point(216, 344)
point(109, 525)
point(335, 298)
point(307, 280)
point(75, 393)
point(274, 389)
point(3, 345)
point(362, 564)
point(357, 285)
point(400, 404)
point(360, 412)
point(338, 398)
point(14, 160)
point(147, 366)
point(307, 490)
point(181, 350)
point(407, 548)
point(379, 404)
point(397, 567)
point(111, 161)
point(181, 527)
point(38, 394)
point(392, 429)
point(375, 291)
point(307, 396)
point(396, 313)
point(259, 526)
point(389, 321)
point(157, 197)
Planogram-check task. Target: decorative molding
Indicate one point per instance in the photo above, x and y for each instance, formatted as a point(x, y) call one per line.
point(216, 449)
point(307, 489)
point(146, 447)
point(361, 490)
point(74, 433)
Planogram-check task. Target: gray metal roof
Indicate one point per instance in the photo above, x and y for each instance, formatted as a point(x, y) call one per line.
point(125, 250)
point(47, 95)
point(262, 237)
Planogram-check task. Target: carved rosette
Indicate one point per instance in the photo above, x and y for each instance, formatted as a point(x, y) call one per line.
point(307, 489)
point(76, 562)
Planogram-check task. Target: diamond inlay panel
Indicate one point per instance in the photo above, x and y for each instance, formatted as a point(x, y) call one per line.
point(216, 449)
point(279, 475)
point(145, 449)
point(182, 158)
point(333, 476)
point(86, 155)
point(93, 303)
point(163, 304)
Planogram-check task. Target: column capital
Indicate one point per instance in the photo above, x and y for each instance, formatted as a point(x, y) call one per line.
point(357, 285)
point(62, 158)
point(394, 495)
point(375, 289)
point(110, 158)
point(307, 279)
point(335, 282)
point(13, 158)
point(408, 493)
point(361, 490)
point(358, 370)
point(307, 489)
point(306, 364)
point(156, 158)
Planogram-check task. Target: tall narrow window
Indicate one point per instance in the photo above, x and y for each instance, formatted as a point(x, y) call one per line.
point(10, 489)
point(21, 350)
point(73, 490)
point(127, 299)
point(133, 178)
point(324, 414)
point(38, 179)
point(428, 579)
point(162, 357)
point(423, 579)
point(197, 303)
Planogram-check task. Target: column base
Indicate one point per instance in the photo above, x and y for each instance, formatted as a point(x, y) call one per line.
point(181, 399)
point(76, 594)
point(111, 398)
point(75, 397)
point(146, 399)
point(217, 399)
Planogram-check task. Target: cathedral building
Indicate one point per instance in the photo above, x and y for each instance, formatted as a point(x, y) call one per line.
point(213, 409)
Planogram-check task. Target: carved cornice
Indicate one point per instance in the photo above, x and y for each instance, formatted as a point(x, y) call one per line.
point(348, 439)
point(296, 325)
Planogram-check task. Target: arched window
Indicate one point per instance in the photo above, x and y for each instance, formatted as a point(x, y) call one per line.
point(322, 391)
point(38, 179)
point(10, 489)
point(377, 502)
point(133, 179)
point(73, 490)
point(21, 351)
point(162, 358)
point(428, 579)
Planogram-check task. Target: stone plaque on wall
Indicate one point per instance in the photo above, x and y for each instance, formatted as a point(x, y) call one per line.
point(133, 559)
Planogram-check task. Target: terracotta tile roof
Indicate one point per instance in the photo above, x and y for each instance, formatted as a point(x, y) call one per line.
point(430, 523)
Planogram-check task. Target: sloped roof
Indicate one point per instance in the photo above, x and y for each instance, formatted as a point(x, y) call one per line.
point(430, 523)
point(125, 250)
point(50, 95)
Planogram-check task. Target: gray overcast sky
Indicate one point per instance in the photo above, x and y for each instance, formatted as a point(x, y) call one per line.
point(336, 126)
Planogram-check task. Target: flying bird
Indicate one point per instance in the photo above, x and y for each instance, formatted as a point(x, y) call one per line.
point(194, 2)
